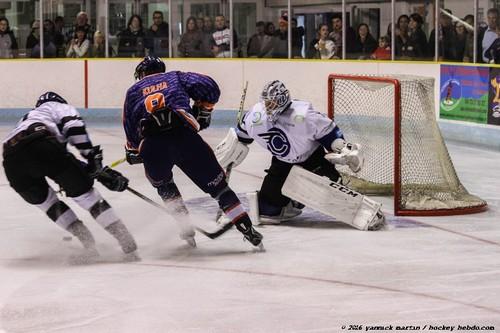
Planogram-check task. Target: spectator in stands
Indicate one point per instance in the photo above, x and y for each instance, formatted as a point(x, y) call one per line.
point(81, 22)
point(267, 48)
point(324, 46)
point(191, 42)
point(365, 44)
point(207, 32)
point(8, 42)
point(270, 29)
point(493, 52)
point(33, 43)
point(402, 36)
point(469, 19)
point(417, 38)
point(221, 39)
point(208, 25)
point(98, 48)
point(446, 38)
point(461, 41)
point(279, 44)
point(383, 51)
point(157, 36)
point(490, 35)
point(297, 39)
point(131, 40)
point(258, 40)
point(59, 39)
point(469, 42)
point(79, 47)
point(49, 29)
point(200, 23)
point(336, 35)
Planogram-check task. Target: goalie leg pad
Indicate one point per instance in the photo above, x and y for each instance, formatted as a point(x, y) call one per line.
point(231, 150)
point(333, 199)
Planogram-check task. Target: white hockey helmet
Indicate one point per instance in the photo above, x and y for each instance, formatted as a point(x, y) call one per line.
point(276, 99)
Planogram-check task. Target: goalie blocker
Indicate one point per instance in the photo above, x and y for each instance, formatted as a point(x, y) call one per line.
point(333, 199)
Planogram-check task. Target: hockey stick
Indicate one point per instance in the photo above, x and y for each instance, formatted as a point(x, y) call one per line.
point(117, 162)
point(211, 235)
point(239, 115)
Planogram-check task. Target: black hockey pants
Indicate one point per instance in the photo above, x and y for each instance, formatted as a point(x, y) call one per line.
point(270, 191)
point(28, 161)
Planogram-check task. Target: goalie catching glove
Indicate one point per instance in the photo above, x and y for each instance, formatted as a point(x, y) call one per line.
point(346, 154)
point(231, 150)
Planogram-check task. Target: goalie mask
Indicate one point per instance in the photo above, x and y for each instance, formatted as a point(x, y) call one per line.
point(276, 99)
point(149, 65)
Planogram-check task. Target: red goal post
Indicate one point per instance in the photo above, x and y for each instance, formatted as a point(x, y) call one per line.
point(393, 118)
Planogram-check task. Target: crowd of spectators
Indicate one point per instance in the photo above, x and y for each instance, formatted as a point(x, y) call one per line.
point(82, 41)
point(210, 37)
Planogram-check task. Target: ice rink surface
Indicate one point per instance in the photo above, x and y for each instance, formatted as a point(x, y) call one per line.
point(316, 276)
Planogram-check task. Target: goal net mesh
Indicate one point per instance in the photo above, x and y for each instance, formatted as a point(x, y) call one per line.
point(366, 109)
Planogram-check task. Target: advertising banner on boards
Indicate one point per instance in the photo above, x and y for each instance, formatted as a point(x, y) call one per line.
point(464, 93)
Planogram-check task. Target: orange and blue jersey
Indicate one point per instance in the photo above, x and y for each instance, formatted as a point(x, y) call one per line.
point(172, 90)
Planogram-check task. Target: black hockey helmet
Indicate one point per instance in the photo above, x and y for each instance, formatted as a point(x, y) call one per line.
point(149, 65)
point(50, 96)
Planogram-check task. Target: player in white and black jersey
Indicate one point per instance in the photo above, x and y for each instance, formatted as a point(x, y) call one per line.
point(296, 135)
point(36, 149)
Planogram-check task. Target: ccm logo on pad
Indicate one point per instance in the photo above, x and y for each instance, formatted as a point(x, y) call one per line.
point(344, 189)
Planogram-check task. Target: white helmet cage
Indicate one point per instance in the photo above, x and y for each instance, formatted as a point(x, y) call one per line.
point(276, 99)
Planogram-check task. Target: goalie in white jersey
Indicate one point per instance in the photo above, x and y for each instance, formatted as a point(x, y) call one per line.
point(36, 149)
point(298, 135)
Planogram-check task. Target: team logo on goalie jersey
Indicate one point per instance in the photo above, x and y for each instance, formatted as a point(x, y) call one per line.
point(277, 142)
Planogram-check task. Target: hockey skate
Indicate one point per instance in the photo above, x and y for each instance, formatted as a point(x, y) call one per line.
point(251, 235)
point(258, 217)
point(129, 247)
point(89, 253)
point(187, 234)
point(82, 233)
point(287, 213)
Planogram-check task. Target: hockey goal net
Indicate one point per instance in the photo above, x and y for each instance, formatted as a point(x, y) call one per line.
point(393, 118)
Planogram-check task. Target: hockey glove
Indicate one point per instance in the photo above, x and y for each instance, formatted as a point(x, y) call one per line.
point(94, 161)
point(203, 114)
point(149, 127)
point(113, 180)
point(132, 156)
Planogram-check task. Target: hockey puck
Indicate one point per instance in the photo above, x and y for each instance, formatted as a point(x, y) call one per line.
point(67, 238)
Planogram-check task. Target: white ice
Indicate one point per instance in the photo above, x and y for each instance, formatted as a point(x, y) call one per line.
point(316, 276)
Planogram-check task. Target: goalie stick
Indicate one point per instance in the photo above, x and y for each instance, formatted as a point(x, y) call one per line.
point(230, 166)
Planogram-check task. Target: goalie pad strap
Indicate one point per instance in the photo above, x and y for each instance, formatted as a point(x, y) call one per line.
point(330, 198)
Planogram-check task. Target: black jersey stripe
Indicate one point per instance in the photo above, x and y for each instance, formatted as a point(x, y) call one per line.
point(77, 130)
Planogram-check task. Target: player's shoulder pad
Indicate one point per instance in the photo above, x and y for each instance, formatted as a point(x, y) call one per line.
point(300, 111)
point(255, 116)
